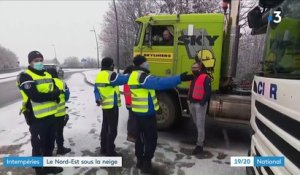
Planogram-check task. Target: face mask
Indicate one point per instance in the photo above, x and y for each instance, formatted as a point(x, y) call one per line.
point(196, 72)
point(38, 66)
point(145, 65)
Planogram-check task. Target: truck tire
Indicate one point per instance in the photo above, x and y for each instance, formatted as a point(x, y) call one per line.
point(168, 111)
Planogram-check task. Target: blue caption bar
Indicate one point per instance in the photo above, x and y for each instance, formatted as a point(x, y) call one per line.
point(268, 161)
point(23, 161)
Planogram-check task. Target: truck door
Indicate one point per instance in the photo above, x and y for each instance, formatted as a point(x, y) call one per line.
point(158, 47)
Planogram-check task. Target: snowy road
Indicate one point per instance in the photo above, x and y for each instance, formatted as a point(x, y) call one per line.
point(173, 154)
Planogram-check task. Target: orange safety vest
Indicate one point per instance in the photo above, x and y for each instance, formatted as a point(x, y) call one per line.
point(127, 95)
point(198, 91)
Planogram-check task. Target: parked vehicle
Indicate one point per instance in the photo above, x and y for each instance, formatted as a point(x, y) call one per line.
point(212, 37)
point(57, 67)
point(275, 112)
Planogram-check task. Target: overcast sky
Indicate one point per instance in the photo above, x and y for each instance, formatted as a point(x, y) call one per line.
point(36, 25)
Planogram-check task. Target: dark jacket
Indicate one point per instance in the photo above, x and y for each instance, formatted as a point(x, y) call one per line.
point(207, 89)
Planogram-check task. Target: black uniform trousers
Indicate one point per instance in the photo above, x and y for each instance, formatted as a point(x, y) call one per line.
point(59, 130)
point(34, 135)
point(45, 129)
point(131, 124)
point(146, 140)
point(109, 130)
point(35, 141)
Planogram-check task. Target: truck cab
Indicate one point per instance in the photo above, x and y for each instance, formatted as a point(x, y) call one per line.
point(193, 36)
point(275, 112)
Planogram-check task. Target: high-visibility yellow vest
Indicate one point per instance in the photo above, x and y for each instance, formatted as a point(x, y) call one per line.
point(61, 107)
point(44, 84)
point(140, 95)
point(23, 94)
point(106, 90)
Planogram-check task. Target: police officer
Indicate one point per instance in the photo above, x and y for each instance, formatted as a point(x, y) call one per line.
point(43, 95)
point(26, 110)
point(107, 96)
point(61, 117)
point(198, 97)
point(144, 106)
point(131, 123)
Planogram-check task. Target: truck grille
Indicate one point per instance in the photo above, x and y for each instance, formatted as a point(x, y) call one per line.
point(288, 151)
point(283, 121)
point(268, 169)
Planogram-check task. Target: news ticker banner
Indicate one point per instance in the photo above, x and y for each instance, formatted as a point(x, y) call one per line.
point(62, 161)
point(267, 161)
point(237, 161)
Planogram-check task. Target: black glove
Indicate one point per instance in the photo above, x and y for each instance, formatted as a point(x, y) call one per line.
point(185, 77)
point(98, 102)
point(57, 100)
point(28, 117)
point(159, 111)
point(55, 94)
point(66, 119)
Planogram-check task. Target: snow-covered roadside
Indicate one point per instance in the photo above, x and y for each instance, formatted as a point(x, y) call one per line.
point(11, 74)
point(4, 77)
point(90, 76)
point(76, 70)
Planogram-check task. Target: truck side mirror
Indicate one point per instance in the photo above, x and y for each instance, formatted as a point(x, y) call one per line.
point(269, 3)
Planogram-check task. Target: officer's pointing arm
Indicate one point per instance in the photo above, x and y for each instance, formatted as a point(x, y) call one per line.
point(152, 82)
point(118, 79)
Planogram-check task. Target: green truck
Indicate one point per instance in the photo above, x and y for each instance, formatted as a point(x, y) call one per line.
point(210, 37)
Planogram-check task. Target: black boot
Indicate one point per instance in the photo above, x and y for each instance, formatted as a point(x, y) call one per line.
point(139, 163)
point(102, 151)
point(63, 150)
point(39, 171)
point(53, 170)
point(198, 150)
point(147, 167)
point(131, 138)
point(114, 154)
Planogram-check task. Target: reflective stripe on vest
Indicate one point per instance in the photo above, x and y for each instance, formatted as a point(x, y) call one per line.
point(140, 95)
point(61, 107)
point(198, 91)
point(106, 90)
point(44, 84)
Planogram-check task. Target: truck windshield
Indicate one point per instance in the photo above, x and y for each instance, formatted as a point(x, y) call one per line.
point(138, 33)
point(282, 47)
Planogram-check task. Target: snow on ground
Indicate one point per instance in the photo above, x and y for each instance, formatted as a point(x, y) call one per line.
point(82, 135)
point(11, 74)
point(91, 75)
point(4, 77)
point(75, 70)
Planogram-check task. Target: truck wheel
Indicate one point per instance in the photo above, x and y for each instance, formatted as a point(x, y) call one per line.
point(168, 112)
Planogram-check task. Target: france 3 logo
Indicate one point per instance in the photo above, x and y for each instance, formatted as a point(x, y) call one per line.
point(275, 17)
